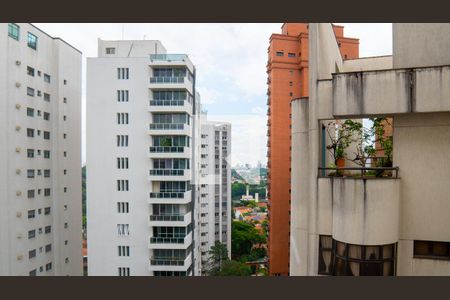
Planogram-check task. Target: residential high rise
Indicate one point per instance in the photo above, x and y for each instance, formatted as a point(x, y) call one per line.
point(393, 222)
point(287, 70)
point(215, 188)
point(40, 174)
point(142, 161)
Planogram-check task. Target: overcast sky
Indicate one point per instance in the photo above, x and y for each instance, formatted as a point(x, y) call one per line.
point(231, 67)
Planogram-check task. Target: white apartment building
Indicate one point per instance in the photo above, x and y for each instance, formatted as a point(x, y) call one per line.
point(397, 223)
point(215, 187)
point(40, 174)
point(142, 147)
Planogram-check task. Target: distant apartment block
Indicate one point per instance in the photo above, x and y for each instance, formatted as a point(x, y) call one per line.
point(215, 188)
point(40, 174)
point(287, 70)
point(362, 221)
point(143, 141)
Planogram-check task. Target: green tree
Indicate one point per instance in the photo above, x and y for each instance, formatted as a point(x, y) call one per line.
point(218, 254)
point(235, 268)
point(244, 237)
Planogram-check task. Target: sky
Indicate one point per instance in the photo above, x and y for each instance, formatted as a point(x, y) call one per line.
point(231, 67)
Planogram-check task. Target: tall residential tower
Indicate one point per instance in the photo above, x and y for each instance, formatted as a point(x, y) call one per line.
point(40, 153)
point(142, 167)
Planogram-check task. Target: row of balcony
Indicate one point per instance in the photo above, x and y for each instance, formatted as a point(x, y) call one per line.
point(170, 197)
point(173, 242)
point(170, 263)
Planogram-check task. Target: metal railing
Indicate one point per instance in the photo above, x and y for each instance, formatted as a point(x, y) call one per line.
point(166, 149)
point(168, 57)
point(167, 240)
point(168, 195)
point(167, 79)
point(168, 102)
point(177, 218)
point(169, 261)
point(167, 172)
point(366, 172)
point(166, 126)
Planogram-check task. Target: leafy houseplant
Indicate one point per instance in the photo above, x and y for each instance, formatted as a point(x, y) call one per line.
point(340, 138)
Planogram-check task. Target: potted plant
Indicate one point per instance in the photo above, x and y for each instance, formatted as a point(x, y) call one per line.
point(340, 138)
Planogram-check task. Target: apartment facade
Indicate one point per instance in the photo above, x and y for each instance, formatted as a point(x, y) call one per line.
point(142, 139)
point(287, 71)
point(40, 177)
point(215, 188)
point(396, 223)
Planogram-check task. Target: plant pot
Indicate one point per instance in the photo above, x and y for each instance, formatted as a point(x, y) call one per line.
point(340, 163)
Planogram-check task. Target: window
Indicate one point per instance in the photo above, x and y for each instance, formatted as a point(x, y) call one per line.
point(30, 112)
point(46, 153)
point(64, 135)
point(13, 31)
point(46, 116)
point(122, 185)
point(30, 194)
point(47, 210)
point(122, 207)
point(65, 82)
point(47, 173)
point(65, 153)
point(32, 41)
point(48, 248)
point(122, 118)
point(66, 260)
point(65, 100)
point(31, 234)
point(30, 132)
point(110, 50)
point(47, 78)
point(47, 192)
point(123, 229)
point(122, 141)
point(124, 250)
point(48, 229)
point(64, 118)
point(48, 267)
point(31, 214)
point(122, 163)
point(32, 253)
point(39, 93)
point(30, 153)
point(30, 173)
point(46, 97)
point(66, 225)
point(291, 54)
point(431, 249)
point(122, 73)
point(124, 271)
point(30, 91)
point(280, 53)
point(46, 135)
point(30, 71)
point(325, 244)
point(122, 96)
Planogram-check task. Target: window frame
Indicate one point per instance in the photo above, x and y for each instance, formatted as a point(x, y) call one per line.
point(32, 40)
point(11, 28)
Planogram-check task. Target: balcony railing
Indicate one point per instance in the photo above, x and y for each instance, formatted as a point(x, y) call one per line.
point(168, 195)
point(167, 261)
point(166, 149)
point(167, 240)
point(167, 79)
point(365, 173)
point(166, 126)
point(168, 57)
point(167, 172)
point(168, 102)
point(167, 218)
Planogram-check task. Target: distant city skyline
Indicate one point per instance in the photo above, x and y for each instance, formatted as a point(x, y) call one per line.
point(231, 67)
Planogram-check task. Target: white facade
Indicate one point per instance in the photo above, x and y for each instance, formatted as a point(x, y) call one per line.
point(215, 187)
point(40, 177)
point(142, 147)
point(394, 225)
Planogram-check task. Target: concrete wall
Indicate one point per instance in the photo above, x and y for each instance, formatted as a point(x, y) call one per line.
point(420, 44)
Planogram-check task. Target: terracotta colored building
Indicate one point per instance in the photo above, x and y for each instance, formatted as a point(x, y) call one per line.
point(287, 71)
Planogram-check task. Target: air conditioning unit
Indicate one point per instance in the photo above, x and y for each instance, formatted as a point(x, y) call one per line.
point(18, 128)
point(19, 256)
point(18, 106)
point(18, 149)
point(18, 84)
point(18, 171)
point(18, 62)
point(19, 236)
point(19, 214)
point(18, 193)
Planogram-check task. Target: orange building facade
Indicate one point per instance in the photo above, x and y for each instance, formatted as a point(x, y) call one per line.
point(287, 70)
